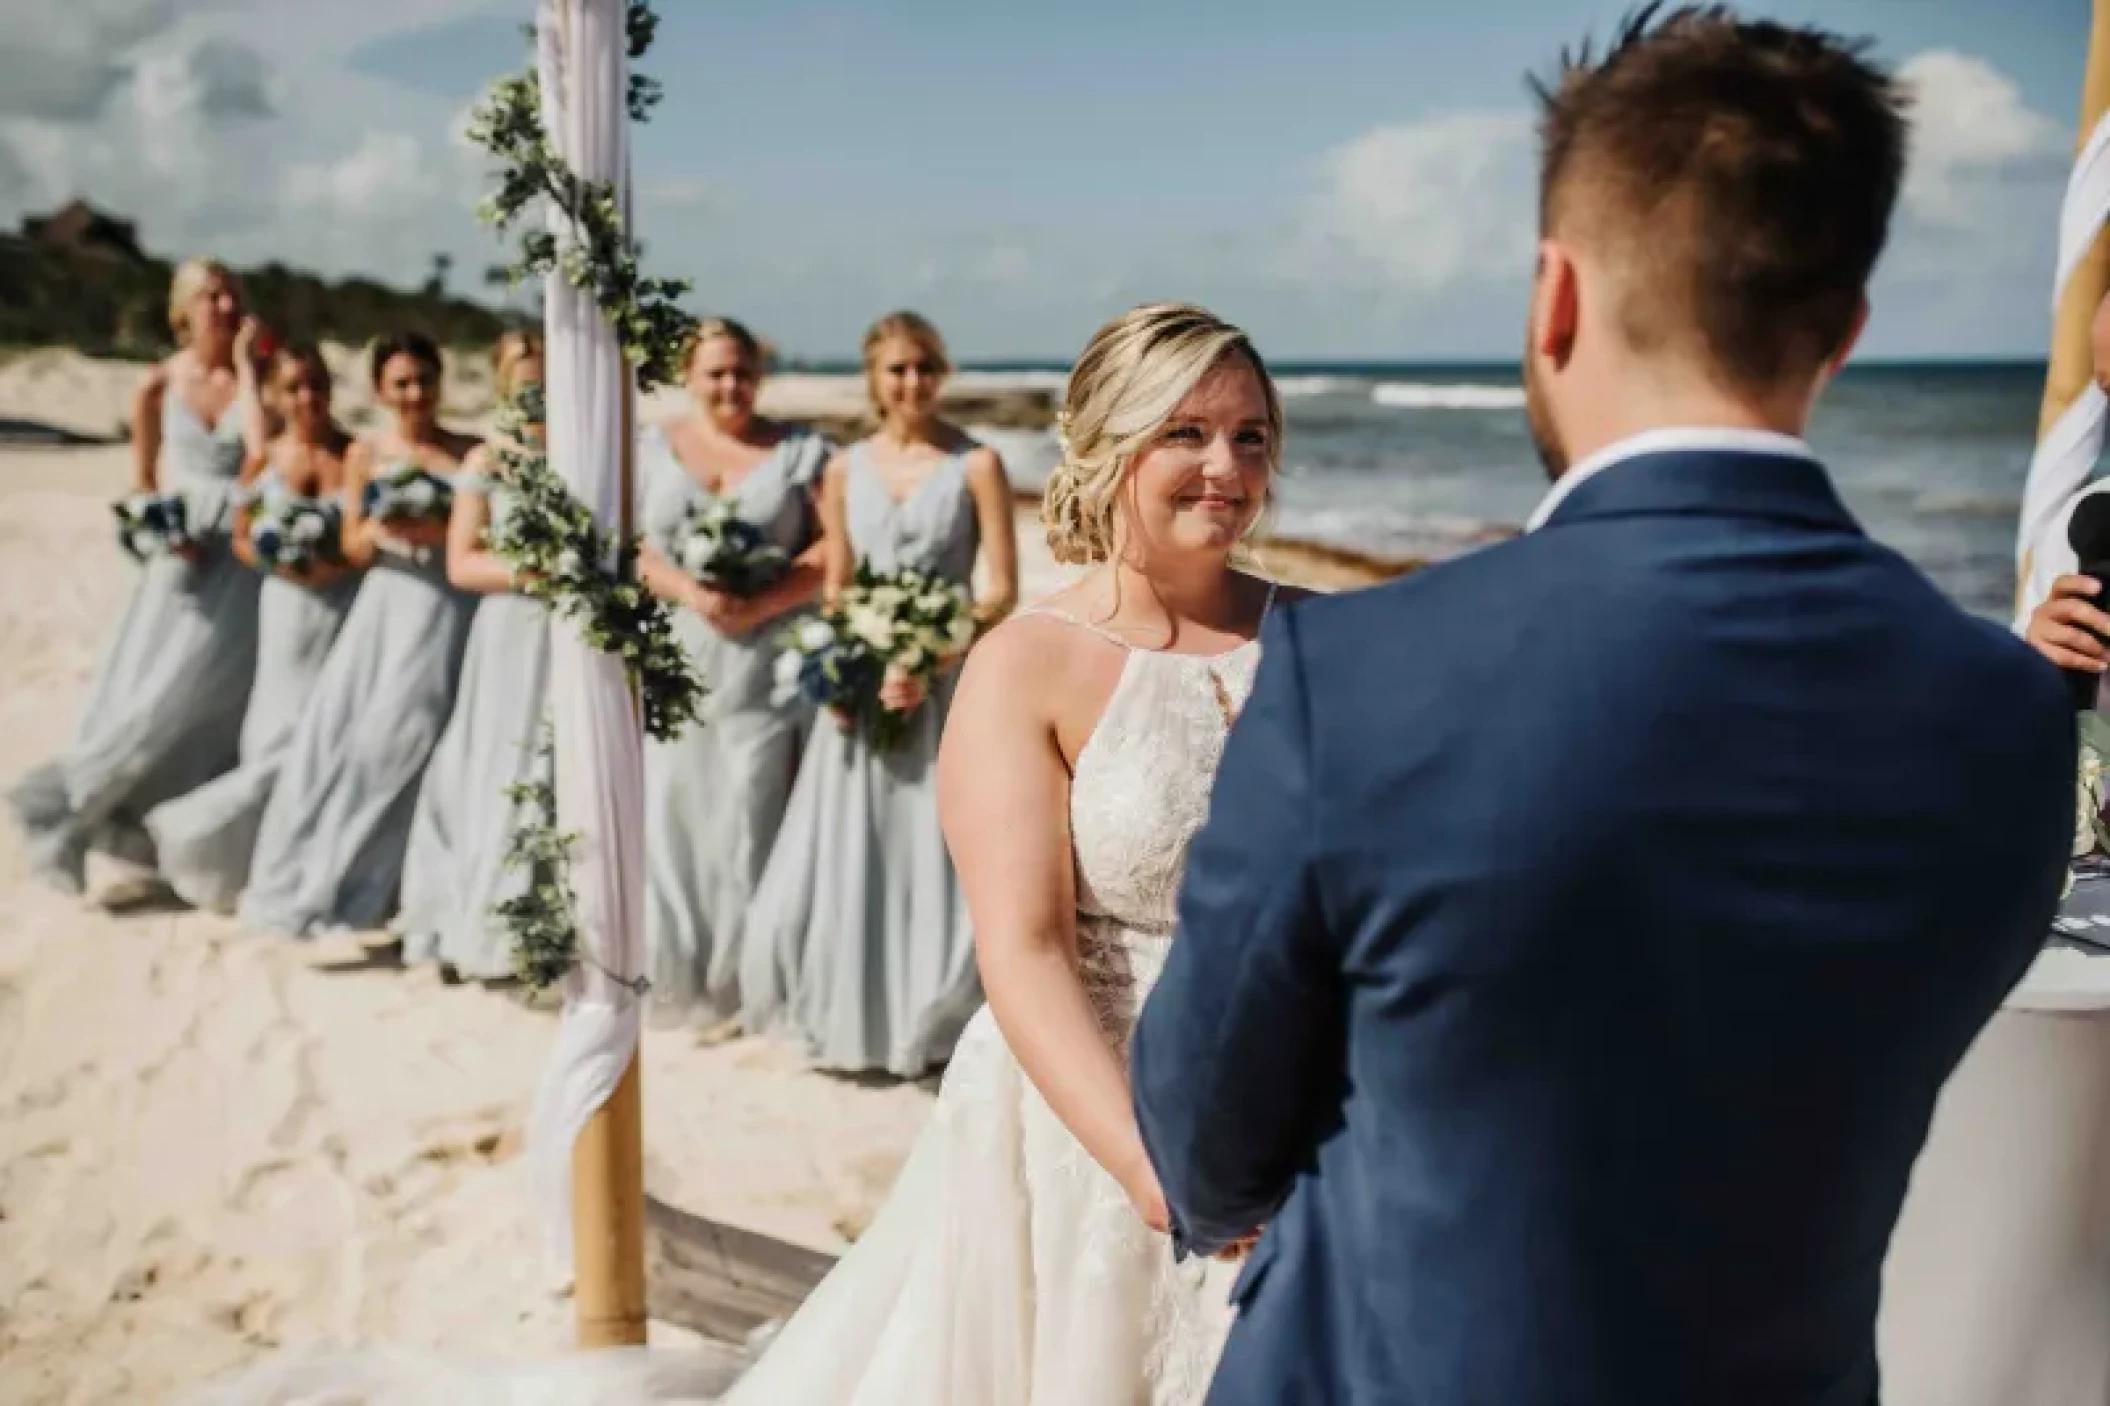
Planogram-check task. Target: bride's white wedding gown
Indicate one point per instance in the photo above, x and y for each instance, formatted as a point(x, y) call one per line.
point(1006, 1268)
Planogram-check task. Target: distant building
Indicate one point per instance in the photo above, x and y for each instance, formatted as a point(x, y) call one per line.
point(83, 228)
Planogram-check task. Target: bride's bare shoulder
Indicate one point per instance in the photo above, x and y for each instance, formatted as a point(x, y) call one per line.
point(1038, 663)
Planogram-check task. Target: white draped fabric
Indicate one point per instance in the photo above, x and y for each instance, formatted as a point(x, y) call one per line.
point(584, 60)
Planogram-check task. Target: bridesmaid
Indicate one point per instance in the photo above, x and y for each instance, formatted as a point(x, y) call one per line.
point(454, 871)
point(329, 853)
point(715, 796)
point(858, 938)
point(164, 713)
point(203, 841)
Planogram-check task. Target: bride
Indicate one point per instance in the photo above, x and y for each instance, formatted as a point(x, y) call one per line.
point(1021, 1259)
point(1022, 1256)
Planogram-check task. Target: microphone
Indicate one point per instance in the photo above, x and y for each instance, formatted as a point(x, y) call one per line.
point(2088, 533)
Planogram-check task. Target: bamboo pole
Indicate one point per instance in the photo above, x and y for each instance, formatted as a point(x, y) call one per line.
point(2072, 360)
point(608, 1220)
point(608, 1161)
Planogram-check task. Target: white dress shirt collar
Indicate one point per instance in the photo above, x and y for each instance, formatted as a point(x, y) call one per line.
point(1718, 440)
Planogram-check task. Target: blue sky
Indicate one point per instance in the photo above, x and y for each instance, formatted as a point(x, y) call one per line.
point(1347, 178)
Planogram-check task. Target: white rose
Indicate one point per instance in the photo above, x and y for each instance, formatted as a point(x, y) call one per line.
point(308, 527)
point(787, 670)
point(871, 626)
point(813, 636)
point(568, 563)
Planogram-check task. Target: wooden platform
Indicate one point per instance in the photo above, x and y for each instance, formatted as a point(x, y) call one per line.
point(719, 1280)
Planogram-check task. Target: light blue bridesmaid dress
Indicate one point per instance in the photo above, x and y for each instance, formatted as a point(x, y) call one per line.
point(164, 714)
point(857, 942)
point(329, 851)
point(454, 872)
point(203, 841)
point(715, 796)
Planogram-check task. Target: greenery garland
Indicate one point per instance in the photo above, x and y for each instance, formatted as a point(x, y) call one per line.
point(559, 556)
point(543, 916)
point(602, 261)
point(557, 551)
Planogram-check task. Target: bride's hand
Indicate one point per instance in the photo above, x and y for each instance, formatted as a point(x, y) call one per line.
point(1147, 1196)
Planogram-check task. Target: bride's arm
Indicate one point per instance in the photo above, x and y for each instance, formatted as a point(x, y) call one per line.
point(1003, 795)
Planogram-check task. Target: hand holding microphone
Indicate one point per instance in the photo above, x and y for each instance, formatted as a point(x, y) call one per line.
point(2070, 628)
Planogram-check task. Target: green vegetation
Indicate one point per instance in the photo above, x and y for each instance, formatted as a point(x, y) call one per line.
point(78, 279)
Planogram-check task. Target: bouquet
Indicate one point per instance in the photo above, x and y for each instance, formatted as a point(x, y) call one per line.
point(726, 552)
point(152, 525)
point(908, 621)
point(291, 533)
point(407, 494)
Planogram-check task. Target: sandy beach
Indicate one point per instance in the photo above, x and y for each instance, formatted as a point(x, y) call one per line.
point(214, 1143)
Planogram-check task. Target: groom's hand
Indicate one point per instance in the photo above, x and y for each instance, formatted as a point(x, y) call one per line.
point(2069, 629)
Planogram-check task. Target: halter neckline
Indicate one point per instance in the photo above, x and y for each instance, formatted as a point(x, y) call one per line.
point(1056, 612)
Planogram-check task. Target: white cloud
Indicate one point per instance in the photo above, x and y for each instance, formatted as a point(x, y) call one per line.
point(1972, 136)
point(1422, 205)
point(211, 79)
point(192, 139)
point(1434, 218)
point(66, 61)
point(384, 169)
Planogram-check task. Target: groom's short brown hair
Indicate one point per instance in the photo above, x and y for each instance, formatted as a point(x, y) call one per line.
point(1739, 176)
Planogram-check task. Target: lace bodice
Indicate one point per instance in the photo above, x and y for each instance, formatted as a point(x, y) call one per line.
point(1139, 792)
point(1142, 782)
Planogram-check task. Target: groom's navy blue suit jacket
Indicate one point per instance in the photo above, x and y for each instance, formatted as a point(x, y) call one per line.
point(1580, 935)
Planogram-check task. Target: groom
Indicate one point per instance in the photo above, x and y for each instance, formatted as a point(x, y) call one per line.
point(1584, 928)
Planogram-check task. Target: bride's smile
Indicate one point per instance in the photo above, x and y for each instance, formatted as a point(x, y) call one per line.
point(1199, 486)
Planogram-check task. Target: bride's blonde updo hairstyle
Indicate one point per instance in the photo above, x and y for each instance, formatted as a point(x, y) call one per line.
point(910, 326)
point(1133, 375)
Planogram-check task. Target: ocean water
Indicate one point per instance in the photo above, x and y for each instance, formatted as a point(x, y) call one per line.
point(1418, 460)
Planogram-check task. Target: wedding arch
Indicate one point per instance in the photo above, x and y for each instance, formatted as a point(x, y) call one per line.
point(560, 137)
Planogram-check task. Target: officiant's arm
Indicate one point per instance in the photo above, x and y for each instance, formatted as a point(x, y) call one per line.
point(1237, 1057)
